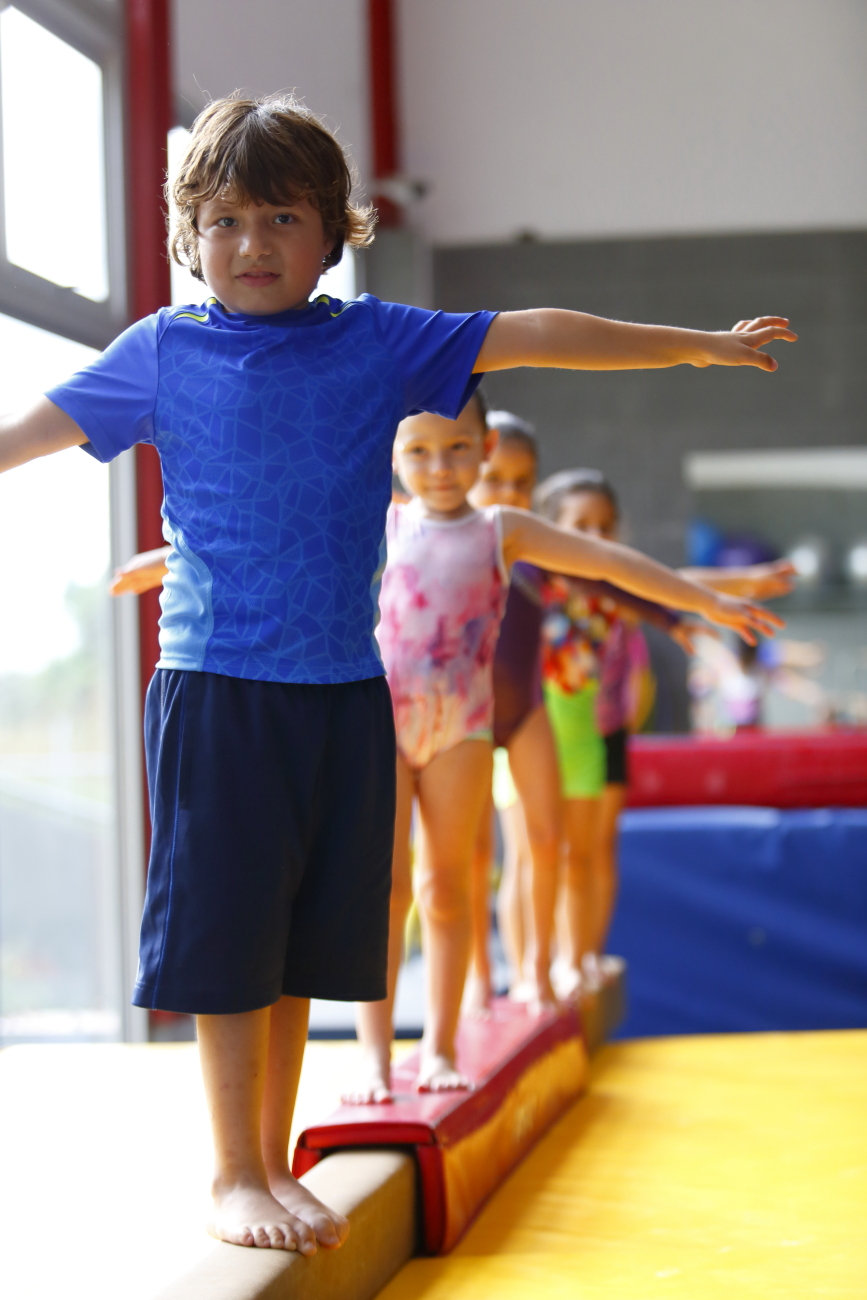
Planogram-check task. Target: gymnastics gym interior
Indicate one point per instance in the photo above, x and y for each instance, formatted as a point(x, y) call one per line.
point(695, 1125)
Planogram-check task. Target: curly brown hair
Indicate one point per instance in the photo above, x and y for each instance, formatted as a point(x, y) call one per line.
point(269, 150)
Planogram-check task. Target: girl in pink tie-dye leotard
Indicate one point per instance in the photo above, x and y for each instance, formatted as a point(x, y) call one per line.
point(442, 599)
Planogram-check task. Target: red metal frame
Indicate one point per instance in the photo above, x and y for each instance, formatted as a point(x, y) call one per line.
point(149, 119)
point(384, 118)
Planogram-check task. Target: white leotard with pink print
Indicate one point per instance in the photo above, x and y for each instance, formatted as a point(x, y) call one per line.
point(443, 594)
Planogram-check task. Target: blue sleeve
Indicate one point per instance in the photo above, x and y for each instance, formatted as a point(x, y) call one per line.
point(113, 400)
point(435, 352)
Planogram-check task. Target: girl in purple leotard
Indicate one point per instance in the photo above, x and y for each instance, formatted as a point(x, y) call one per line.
point(527, 786)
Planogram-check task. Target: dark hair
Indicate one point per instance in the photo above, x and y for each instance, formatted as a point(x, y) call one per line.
point(551, 494)
point(271, 150)
point(512, 428)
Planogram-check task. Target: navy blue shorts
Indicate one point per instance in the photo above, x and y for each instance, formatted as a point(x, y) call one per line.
point(273, 826)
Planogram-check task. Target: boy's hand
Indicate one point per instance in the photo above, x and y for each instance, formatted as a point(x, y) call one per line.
point(740, 346)
point(742, 616)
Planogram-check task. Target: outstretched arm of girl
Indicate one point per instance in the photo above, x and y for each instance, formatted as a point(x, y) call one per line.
point(141, 573)
point(527, 537)
point(40, 430)
point(572, 340)
point(760, 581)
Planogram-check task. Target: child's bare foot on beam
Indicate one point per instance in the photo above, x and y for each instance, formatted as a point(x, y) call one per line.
point(542, 997)
point(328, 1228)
point(440, 1074)
point(372, 1085)
point(246, 1214)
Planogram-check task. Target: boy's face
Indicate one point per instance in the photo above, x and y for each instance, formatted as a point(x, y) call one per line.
point(258, 258)
point(507, 477)
point(438, 459)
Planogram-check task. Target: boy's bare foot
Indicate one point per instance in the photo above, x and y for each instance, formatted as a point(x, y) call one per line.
point(372, 1085)
point(440, 1074)
point(328, 1228)
point(477, 998)
point(246, 1214)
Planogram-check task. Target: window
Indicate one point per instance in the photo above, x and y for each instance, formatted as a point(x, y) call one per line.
point(70, 770)
point(61, 219)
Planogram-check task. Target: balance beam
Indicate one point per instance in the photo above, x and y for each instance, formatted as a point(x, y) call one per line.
point(525, 1070)
point(446, 1154)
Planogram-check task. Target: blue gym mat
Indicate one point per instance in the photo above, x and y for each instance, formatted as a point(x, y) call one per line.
point(739, 919)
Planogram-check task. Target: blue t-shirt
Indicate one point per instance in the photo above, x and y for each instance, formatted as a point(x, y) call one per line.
point(275, 436)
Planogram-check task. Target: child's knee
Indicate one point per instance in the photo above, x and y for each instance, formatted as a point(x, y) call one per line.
point(577, 865)
point(544, 836)
point(445, 897)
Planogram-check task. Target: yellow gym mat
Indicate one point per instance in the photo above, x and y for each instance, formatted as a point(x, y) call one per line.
point(730, 1167)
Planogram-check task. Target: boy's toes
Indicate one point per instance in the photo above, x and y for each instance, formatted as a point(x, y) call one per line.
point(306, 1244)
point(246, 1215)
point(331, 1230)
point(315, 1223)
point(282, 1237)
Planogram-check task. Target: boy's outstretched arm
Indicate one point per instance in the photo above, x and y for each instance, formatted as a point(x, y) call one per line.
point(527, 537)
point(40, 430)
point(572, 340)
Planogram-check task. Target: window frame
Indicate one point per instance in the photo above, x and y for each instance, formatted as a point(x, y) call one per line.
point(96, 30)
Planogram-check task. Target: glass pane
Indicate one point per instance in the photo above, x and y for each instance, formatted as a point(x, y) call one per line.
point(53, 127)
point(59, 910)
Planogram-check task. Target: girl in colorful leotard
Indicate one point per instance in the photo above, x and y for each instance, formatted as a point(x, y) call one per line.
point(593, 651)
point(442, 599)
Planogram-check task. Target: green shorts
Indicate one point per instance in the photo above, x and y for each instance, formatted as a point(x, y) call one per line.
point(580, 748)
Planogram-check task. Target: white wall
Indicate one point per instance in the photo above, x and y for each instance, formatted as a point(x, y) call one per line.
point(582, 118)
point(317, 48)
point(576, 118)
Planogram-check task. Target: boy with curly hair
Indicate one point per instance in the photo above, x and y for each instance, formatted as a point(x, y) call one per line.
point(269, 729)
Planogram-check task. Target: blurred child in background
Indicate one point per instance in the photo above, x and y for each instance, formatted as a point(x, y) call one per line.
point(593, 664)
point(526, 786)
